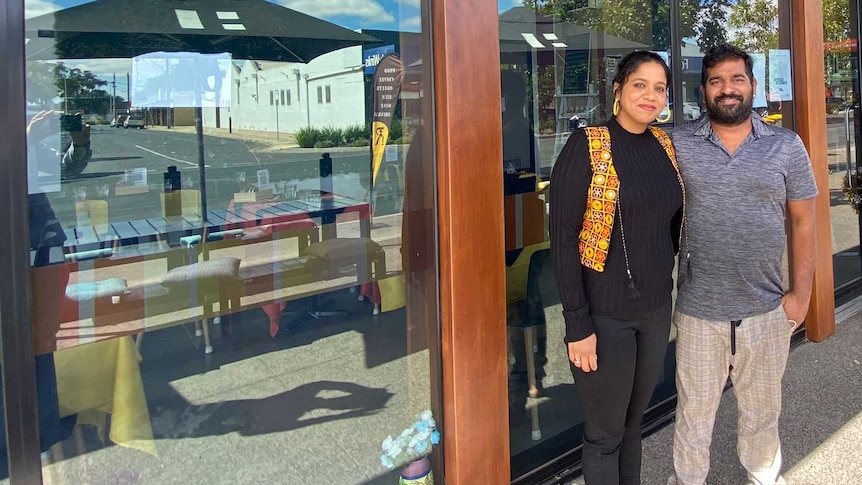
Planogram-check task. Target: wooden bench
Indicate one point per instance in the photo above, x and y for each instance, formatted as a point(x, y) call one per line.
point(133, 311)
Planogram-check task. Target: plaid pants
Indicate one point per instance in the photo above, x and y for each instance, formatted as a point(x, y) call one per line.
point(704, 361)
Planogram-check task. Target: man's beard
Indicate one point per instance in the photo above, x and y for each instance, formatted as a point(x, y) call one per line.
point(730, 115)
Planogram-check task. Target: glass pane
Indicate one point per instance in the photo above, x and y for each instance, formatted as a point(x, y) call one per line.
point(221, 276)
point(761, 28)
point(841, 63)
point(558, 61)
point(4, 457)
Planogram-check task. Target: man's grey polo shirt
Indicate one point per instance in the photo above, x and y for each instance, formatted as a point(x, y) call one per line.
point(730, 263)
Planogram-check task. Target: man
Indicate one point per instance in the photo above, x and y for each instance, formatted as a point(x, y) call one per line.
point(744, 178)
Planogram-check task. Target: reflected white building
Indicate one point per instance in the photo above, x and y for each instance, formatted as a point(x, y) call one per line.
point(284, 97)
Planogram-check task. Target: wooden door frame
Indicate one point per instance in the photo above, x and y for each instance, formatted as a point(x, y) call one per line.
point(471, 253)
point(810, 94)
point(19, 374)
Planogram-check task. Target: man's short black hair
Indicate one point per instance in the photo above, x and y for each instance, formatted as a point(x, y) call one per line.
point(721, 53)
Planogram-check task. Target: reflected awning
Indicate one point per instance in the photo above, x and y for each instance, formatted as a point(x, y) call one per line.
point(523, 30)
point(247, 29)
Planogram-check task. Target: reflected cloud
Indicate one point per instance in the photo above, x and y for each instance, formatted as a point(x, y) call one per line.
point(34, 8)
point(412, 22)
point(363, 9)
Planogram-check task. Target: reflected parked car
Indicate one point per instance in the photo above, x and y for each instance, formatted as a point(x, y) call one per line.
point(584, 118)
point(690, 111)
point(772, 118)
point(135, 120)
point(835, 105)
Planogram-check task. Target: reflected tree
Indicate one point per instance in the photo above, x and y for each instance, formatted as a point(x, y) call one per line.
point(836, 20)
point(82, 89)
point(643, 21)
point(756, 25)
point(710, 27)
point(547, 88)
point(41, 82)
point(837, 57)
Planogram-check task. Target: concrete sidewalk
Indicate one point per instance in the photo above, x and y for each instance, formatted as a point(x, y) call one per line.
point(267, 141)
point(275, 141)
point(821, 422)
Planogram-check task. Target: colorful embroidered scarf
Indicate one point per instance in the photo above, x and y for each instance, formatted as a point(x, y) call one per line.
point(595, 237)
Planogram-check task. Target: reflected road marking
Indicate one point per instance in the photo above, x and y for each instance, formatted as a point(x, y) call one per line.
point(168, 156)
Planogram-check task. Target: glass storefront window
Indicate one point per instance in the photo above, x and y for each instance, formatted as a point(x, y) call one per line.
point(761, 29)
point(233, 254)
point(558, 60)
point(841, 64)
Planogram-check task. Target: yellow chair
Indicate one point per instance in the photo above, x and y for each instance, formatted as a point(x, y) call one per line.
point(393, 293)
point(186, 202)
point(91, 212)
point(516, 274)
point(104, 378)
point(517, 283)
point(389, 189)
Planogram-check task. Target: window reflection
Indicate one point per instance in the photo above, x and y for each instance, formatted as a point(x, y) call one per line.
point(558, 59)
point(841, 62)
point(566, 54)
point(220, 199)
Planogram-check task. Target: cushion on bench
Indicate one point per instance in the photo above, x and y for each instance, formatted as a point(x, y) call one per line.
point(215, 270)
point(341, 248)
point(266, 229)
point(96, 289)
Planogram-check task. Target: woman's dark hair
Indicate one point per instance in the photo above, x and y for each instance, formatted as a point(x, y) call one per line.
point(725, 52)
point(633, 60)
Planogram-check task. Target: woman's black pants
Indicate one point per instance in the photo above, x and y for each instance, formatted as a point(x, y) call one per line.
point(613, 399)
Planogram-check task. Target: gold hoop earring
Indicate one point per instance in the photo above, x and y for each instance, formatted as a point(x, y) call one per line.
point(616, 106)
point(666, 118)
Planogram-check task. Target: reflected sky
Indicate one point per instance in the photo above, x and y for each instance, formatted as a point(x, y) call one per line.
point(353, 14)
point(398, 15)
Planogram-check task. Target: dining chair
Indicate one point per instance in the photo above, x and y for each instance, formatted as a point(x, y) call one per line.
point(528, 292)
point(188, 200)
point(93, 214)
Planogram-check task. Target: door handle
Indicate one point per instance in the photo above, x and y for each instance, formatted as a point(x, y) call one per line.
point(847, 152)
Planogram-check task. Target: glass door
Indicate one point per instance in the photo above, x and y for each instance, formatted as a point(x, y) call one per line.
point(557, 63)
point(841, 65)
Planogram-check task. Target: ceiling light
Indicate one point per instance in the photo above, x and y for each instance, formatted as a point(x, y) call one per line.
point(532, 40)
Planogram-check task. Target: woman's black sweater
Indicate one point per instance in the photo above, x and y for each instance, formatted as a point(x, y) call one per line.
point(650, 200)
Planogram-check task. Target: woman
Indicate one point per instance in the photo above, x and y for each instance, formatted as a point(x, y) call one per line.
point(616, 210)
